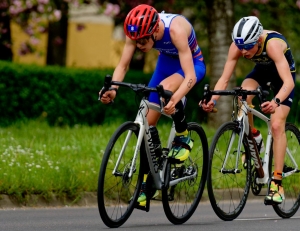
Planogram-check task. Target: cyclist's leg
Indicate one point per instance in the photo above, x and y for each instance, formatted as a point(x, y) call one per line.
point(278, 119)
point(290, 173)
point(255, 78)
point(250, 84)
point(171, 82)
point(165, 76)
point(171, 76)
point(182, 143)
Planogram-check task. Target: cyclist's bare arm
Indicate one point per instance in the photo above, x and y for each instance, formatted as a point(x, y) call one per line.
point(233, 56)
point(179, 31)
point(122, 67)
point(275, 50)
point(120, 70)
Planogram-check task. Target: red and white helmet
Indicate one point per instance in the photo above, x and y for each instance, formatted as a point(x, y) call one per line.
point(141, 21)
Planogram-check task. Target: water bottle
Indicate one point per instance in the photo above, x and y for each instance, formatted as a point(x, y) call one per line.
point(259, 140)
point(155, 141)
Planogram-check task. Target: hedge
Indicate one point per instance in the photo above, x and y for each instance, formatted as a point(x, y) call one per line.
point(65, 96)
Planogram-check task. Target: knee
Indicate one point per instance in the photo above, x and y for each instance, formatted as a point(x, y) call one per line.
point(152, 121)
point(168, 86)
point(277, 128)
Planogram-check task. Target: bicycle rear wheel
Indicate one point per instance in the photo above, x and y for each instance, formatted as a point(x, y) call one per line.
point(228, 186)
point(291, 183)
point(117, 192)
point(181, 200)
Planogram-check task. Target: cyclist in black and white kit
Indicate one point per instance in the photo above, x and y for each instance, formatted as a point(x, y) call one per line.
point(274, 63)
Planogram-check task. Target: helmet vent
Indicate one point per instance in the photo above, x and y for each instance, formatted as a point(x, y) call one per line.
point(141, 21)
point(240, 29)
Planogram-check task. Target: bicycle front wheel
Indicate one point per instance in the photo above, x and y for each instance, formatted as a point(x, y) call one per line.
point(117, 190)
point(291, 174)
point(229, 176)
point(181, 200)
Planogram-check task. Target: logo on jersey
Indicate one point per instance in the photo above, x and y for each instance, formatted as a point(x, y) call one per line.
point(132, 28)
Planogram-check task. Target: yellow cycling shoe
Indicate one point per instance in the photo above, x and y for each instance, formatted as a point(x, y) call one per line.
point(182, 145)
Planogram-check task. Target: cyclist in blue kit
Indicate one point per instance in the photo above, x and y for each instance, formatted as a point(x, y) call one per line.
point(179, 67)
point(274, 63)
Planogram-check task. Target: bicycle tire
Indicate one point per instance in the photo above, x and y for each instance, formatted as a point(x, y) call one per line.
point(117, 193)
point(291, 204)
point(228, 191)
point(181, 200)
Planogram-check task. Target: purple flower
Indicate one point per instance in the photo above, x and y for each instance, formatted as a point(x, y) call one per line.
point(57, 14)
point(298, 3)
point(80, 26)
point(109, 9)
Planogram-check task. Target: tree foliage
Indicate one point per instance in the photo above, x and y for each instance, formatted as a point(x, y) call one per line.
point(34, 16)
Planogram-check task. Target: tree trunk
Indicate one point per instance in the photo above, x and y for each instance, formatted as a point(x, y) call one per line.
point(5, 36)
point(57, 37)
point(220, 25)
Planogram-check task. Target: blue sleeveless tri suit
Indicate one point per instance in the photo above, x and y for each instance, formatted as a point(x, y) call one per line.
point(265, 69)
point(168, 60)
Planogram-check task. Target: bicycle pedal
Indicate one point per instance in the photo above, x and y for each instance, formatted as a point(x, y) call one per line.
point(144, 208)
point(270, 202)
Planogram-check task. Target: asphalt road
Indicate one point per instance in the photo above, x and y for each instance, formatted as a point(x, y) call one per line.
point(256, 216)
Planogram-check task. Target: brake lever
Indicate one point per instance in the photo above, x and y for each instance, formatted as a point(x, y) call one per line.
point(106, 87)
point(207, 97)
point(262, 95)
point(165, 96)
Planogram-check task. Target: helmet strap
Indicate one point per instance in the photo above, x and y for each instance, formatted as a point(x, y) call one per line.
point(153, 39)
point(258, 48)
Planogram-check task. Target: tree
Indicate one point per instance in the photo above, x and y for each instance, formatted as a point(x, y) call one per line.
point(32, 16)
point(220, 24)
point(57, 36)
point(5, 36)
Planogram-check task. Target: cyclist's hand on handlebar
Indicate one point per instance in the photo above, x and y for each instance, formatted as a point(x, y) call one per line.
point(269, 107)
point(108, 96)
point(208, 107)
point(170, 108)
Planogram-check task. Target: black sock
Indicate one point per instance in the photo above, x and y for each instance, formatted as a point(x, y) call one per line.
point(179, 118)
point(278, 182)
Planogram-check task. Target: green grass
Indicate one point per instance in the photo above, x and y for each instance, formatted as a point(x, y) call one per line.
point(38, 159)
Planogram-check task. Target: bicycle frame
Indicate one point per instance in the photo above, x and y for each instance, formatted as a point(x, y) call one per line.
point(260, 165)
point(144, 134)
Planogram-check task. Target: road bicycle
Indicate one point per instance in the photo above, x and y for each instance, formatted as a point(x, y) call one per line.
point(235, 164)
point(131, 150)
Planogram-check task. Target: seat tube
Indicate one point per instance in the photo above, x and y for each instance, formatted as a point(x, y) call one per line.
point(251, 142)
point(254, 153)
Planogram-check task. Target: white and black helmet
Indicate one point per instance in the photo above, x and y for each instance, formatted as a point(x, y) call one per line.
point(247, 30)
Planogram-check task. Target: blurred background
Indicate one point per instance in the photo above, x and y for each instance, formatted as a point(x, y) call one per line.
point(88, 34)
point(54, 55)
